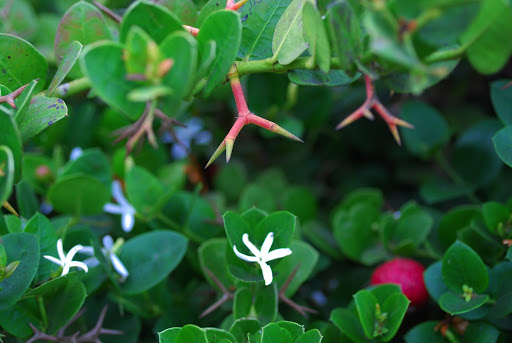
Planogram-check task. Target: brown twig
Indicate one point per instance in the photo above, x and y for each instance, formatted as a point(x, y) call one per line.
point(144, 125)
point(108, 11)
point(282, 296)
point(226, 295)
point(9, 98)
point(91, 336)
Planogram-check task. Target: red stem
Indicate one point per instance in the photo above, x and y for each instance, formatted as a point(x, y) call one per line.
point(239, 96)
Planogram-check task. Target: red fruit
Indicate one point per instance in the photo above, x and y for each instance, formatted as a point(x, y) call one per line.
point(406, 273)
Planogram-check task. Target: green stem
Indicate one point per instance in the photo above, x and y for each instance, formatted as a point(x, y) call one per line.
point(490, 301)
point(71, 88)
point(42, 311)
point(267, 66)
point(455, 177)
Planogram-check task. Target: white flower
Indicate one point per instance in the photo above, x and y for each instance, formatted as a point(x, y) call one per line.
point(193, 132)
point(122, 207)
point(262, 256)
point(75, 153)
point(109, 251)
point(66, 261)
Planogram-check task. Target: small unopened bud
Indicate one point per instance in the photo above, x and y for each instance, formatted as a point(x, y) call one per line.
point(165, 66)
point(10, 269)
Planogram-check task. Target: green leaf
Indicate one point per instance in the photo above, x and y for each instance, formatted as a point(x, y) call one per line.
point(112, 87)
point(168, 336)
point(242, 303)
point(295, 330)
point(21, 247)
point(210, 7)
point(260, 20)
point(316, 37)
point(143, 190)
point(366, 304)
point(68, 61)
point(431, 132)
point(434, 282)
point(137, 51)
point(20, 63)
point(334, 78)
point(82, 22)
point(437, 190)
point(92, 162)
point(501, 96)
point(454, 303)
point(47, 236)
point(462, 266)
point(312, 336)
point(454, 221)
point(79, 194)
point(348, 323)
point(242, 327)
point(485, 37)
point(150, 258)
point(265, 303)
point(273, 333)
point(27, 202)
point(494, 213)
point(191, 333)
point(154, 19)
point(212, 256)
point(395, 306)
point(256, 196)
point(288, 42)
point(231, 180)
point(425, 333)
point(10, 138)
point(185, 10)
point(301, 202)
point(23, 102)
point(502, 141)
point(481, 332)
point(225, 28)
point(215, 335)
point(41, 113)
point(304, 258)
point(6, 173)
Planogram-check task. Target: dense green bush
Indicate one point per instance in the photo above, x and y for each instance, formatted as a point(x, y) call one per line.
point(106, 237)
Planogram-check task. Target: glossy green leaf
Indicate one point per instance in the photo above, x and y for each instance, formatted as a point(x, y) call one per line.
point(219, 336)
point(259, 22)
point(6, 173)
point(225, 28)
point(273, 333)
point(334, 78)
point(20, 63)
point(10, 138)
point(454, 221)
point(288, 42)
point(500, 277)
point(424, 333)
point(265, 303)
point(112, 87)
point(79, 194)
point(191, 333)
point(494, 213)
point(242, 327)
point(502, 141)
point(68, 61)
point(168, 335)
point(154, 19)
point(295, 330)
point(137, 51)
point(23, 102)
point(22, 247)
point(242, 303)
point(430, 132)
point(454, 303)
point(255, 196)
point(212, 256)
point(185, 10)
point(304, 258)
point(47, 236)
point(348, 323)
point(21, 20)
point(462, 266)
point(434, 283)
point(316, 37)
point(151, 257)
point(27, 202)
point(209, 8)
point(501, 96)
point(437, 190)
point(143, 190)
point(486, 35)
point(92, 162)
point(312, 336)
point(41, 113)
point(366, 304)
point(481, 332)
point(395, 306)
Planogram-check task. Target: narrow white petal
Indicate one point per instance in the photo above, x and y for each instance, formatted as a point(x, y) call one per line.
point(248, 244)
point(108, 242)
point(72, 252)
point(127, 222)
point(278, 253)
point(113, 208)
point(60, 250)
point(265, 248)
point(267, 273)
point(87, 251)
point(78, 265)
point(244, 257)
point(65, 270)
point(53, 259)
point(75, 153)
point(117, 193)
point(119, 266)
point(92, 262)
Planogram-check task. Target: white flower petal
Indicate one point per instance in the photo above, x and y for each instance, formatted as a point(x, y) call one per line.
point(87, 251)
point(65, 270)
point(72, 253)
point(245, 257)
point(92, 262)
point(119, 266)
point(278, 253)
point(113, 208)
point(248, 244)
point(75, 153)
point(127, 222)
point(267, 273)
point(265, 247)
point(117, 193)
point(78, 265)
point(108, 242)
point(60, 250)
point(53, 259)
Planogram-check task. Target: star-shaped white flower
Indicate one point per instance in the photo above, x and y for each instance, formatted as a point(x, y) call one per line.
point(66, 261)
point(262, 256)
point(122, 207)
point(109, 251)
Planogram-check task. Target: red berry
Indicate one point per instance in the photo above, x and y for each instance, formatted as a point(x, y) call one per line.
point(408, 274)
